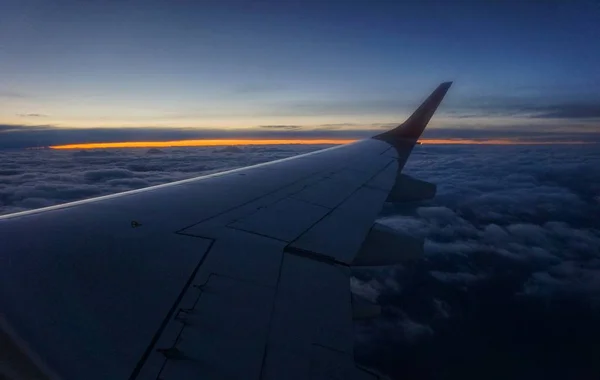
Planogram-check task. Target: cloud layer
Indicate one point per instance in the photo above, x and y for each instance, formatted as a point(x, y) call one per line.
point(510, 279)
point(38, 178)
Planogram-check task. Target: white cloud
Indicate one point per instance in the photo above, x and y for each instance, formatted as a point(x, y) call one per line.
point(37, 178)
point(508, 225)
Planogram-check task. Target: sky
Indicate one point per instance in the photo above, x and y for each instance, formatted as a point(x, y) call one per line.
point(164, 70)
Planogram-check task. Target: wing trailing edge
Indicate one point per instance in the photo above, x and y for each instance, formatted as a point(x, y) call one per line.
point(409, 189)
point(383, 247)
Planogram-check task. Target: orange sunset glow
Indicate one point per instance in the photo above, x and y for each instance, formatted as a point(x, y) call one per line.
point(198, 143)
point(223, 142)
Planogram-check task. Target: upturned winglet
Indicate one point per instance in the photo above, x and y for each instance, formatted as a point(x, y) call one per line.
point(410, 131)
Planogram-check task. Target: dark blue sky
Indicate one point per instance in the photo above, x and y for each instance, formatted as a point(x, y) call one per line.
point(241, 64)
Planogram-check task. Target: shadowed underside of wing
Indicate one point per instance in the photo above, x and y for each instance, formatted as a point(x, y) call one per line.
point(238, 275)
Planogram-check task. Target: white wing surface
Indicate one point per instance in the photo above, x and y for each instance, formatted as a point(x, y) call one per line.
point(237, 275)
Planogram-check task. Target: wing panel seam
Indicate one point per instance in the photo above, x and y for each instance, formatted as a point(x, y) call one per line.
point(170, 313)
point(341, 203)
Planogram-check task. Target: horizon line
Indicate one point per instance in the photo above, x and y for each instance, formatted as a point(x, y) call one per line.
point(242, 142)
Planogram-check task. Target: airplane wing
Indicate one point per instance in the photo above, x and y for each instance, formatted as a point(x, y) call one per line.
point(236, 275)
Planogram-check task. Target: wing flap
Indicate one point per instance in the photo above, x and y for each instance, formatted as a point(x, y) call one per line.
point(340, 234)
point(383, 247)
point(274, 221)
point(409, 189)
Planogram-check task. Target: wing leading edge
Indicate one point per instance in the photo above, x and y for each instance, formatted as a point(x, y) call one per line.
point(242, 275)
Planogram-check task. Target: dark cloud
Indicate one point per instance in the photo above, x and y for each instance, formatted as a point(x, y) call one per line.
point(12, 95)
point(24, 136)
point(567, 110)
point(229, 149)
point(338, 125)
point(10, 172)
point(266, 149)
point(456, 277)
point(106, 174)
point(526, 106)
point(154, 151)
point(532, 133)
point(31, 115)
point(570, 111)
point(133, 183)
point(284, 127)
point(145, 167)
point(11, 128)
point(370, 126)
point(519, 104)
point(93, 152)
